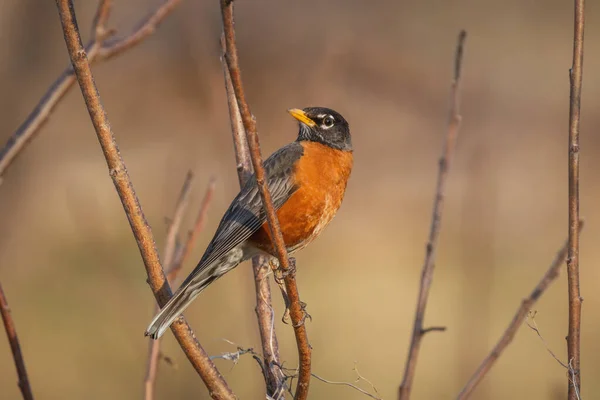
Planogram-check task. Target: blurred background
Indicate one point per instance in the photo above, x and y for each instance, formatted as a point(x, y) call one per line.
point(72, 272)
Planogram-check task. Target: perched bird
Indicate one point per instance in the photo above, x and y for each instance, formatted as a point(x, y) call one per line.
point(307, 181)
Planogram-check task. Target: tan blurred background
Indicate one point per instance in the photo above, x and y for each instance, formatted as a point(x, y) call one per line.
point(72, 271)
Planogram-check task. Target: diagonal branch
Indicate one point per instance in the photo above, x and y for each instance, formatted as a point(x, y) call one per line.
point(297, 314)
point(99, 48)
point(575, 300)
point(143, 234)
point(275, 378)
point(173, 260)
point(13, 339)
point(438, 205)
point(520, 316)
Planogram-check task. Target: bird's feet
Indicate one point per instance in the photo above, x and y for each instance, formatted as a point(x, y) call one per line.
point(279, 273)
point(286, 315)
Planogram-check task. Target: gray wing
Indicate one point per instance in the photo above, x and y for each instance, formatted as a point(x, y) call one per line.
point(246, 213)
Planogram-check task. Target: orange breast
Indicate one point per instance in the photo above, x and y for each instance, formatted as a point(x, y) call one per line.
point(321, 175)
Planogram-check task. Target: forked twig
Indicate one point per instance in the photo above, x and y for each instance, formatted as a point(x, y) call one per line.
point(575, 300)
point(520, 316)
point(160, 287)
point(15, 347)
point(438, 204)
point(173, 260)
point(297, 313)
point(99, 48)
point(265, 314)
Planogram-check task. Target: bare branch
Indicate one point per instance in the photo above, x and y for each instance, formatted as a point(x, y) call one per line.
point(575, 300)
point(363, 391)
point(438, 205)
point(13, 339)
point(178, 261)
point(173, 231)
point(265, 315)
point(297, 312)
point(533, 326)
point(98, 49)
point(144, 28)
point(160, 287)
point(520, 316)
point(173, 263)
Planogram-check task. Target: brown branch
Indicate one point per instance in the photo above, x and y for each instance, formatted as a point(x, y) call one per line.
point(297, 313)
point(143, 234)
point(146, 27)
point(13, 339)
point(520, 316)
point(264, 310)
point(175, 225)
point(575, 300)
point(438, 204)
point(173, 260)
point(178, 261)
point(98, 49)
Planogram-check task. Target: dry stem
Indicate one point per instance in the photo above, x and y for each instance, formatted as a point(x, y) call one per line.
point(13, 339)
point(297, 313)
point(99, 48)
point(575, 300)
point(173, 260)
point(143, 234)
point(438, 204)
point(264, 310)
point(520, 316)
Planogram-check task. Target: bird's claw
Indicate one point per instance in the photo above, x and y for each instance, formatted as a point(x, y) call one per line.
point(286, 315)
point(279, 273)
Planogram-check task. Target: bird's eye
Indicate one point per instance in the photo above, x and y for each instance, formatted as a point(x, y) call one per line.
point(328, 122)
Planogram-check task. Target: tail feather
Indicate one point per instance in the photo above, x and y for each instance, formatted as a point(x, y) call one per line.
point(176, 305)
point(191, 288)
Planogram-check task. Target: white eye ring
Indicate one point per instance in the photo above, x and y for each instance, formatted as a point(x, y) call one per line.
point(328, 122)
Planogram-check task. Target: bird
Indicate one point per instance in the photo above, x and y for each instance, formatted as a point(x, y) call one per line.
point(307, 180)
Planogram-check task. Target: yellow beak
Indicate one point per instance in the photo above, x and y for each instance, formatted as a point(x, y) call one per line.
point(302, 117)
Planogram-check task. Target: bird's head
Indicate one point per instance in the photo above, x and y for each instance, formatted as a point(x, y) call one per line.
point(323, 125)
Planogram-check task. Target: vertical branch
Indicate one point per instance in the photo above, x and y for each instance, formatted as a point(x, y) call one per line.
point(143, 234)
point(576, 75)
point(428, 265)
point(549, 277)
point(15, 347)
point(296, 311)
point(173, 260)
point(275, 378)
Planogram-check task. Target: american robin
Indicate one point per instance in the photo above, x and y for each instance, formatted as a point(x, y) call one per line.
point(307, 181)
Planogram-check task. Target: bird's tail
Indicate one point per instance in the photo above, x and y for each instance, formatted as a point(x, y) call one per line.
point(186, 293)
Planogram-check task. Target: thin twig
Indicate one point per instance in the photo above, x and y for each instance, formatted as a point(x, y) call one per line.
point(520, 316)
point(533, 326)
point(98, 49)
point(13, 339)
point(160, 287)
point(569, 367)
point(234, 357)
point(173, 262)
point(146, 27)
point(178, 261)
point(264, 309)
point(175, 225)
point(363, 391)
point(575, 300)
point(438, 205)
point(297, 313)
